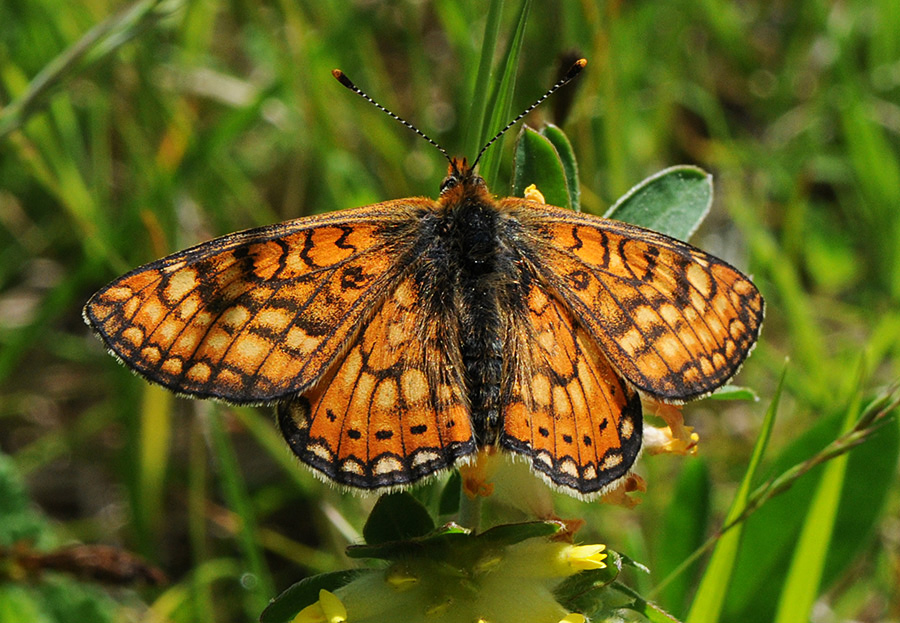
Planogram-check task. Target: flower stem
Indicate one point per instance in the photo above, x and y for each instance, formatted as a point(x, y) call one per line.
point(469, 511)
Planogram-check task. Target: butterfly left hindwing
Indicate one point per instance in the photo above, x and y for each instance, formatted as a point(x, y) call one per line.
point(393, 410)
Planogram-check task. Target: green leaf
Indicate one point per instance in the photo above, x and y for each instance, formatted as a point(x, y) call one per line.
point(710, 597)
point(448, 536)
point(771, 534)
point(509, 534)
point(586, 591)
point(683, 530)
point(567, 156)
point(397, 517)
point(734, 392)
point(449, 502)
point(304, 593)
point(673, 202)
point(537, 162)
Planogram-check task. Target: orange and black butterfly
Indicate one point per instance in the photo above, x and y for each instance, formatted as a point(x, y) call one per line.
point(398, 339)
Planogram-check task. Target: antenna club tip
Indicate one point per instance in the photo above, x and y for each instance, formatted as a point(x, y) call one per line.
point(339, 75)
point(576, 68)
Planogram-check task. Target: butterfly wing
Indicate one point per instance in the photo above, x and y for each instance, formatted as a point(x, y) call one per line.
point(260, 314)
point(568, 409)
point(675, 321)
point(393, 410)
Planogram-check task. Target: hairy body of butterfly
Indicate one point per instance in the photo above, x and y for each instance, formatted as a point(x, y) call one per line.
point(397, 339)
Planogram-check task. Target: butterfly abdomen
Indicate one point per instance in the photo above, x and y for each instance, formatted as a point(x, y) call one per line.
point(474, 260)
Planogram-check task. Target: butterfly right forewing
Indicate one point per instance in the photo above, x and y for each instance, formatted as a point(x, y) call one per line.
point(260, 314)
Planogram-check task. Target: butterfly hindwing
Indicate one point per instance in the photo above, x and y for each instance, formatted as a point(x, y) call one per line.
point(393, 410)
point(675, 321)
point(568, 410)
point(260, 314)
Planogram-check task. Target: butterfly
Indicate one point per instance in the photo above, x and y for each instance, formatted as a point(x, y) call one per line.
point(398, 339)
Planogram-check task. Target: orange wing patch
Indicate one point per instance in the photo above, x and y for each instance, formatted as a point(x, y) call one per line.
point(568, 410)
point(393, 410)
point(674, 321)
point(256, 315)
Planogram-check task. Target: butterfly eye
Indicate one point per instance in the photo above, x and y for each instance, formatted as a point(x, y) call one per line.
point(449, 182)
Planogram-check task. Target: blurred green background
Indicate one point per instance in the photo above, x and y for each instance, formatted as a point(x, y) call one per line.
point(131, 131)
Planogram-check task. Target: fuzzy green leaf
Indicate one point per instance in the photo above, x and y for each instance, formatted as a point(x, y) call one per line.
point(537, 162)
point(673, 202)
point(567, 156)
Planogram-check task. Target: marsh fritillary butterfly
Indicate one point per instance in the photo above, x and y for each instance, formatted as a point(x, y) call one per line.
point(399, 338)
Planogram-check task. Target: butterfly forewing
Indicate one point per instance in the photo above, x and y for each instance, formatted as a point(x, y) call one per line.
point(568, 410)
point(676, 322)
point(260, 314)
point(393, 410)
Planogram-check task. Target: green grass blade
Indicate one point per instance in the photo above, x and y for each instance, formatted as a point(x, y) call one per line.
point(683, 530)
point(710, 597)
point(98, 42)
point(235, 493)
point(155, 433)
point(771, 534)
point(476, 128)
point(805, 575)
point(501, 100)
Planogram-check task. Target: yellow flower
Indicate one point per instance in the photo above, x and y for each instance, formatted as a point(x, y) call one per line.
point(573, 617)
point(584, 557)
point(328, 609)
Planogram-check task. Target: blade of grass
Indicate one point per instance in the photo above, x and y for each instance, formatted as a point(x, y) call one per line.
point(710, 597)
point(235, 494)
point(476, 128)
point(501, 100)
point(201, 596)
point(801, 587)
point(99, 41)
point(154, 436)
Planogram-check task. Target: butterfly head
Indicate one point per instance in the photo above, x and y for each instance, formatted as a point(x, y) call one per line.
point(460, 175)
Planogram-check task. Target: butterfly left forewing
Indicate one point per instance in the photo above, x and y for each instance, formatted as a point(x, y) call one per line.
point(675, 321)
point(566, 408)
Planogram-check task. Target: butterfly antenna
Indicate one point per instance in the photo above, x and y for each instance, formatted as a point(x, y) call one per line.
point(574, 70)
point(343, 79)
